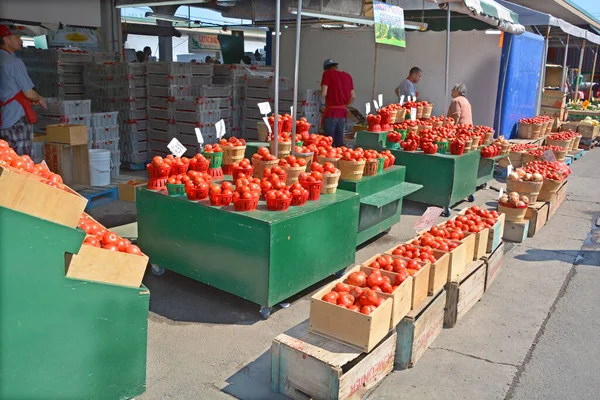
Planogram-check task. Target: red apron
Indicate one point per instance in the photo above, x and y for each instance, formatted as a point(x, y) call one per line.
point(24, 102)
point(327, 108)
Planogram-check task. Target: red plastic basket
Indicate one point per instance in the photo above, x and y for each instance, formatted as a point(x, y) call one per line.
point(220, 199)
point(314, 189)
point(177, 169)
point(158, 172)
point(245, 204)
point(196, 194)
point(201, 166)
point(216, 172)
point(227, 169)
point(279, 205)
point(299, 200)
point(157, 184)
point(236, 171)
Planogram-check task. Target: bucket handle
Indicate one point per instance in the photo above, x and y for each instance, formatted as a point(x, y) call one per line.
point(111, 167)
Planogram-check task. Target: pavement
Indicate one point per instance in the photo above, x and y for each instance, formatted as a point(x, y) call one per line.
point(533, 335)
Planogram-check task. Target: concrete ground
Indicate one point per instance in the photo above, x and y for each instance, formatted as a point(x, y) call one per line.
point(533, 335)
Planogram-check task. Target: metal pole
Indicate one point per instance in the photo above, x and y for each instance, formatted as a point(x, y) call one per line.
point(542, 73)
point(296, 66)
point(579, 70)
point(447, 62)
point(593, 72)
point(562, 81)
point(276, 105)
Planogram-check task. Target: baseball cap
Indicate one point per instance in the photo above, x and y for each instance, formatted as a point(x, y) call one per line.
point(5, 31)
point(329, 62)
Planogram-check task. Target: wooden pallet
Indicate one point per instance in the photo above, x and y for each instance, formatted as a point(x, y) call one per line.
point(418, 330)
point(134, 166)
point(463, 295)
point(493, 264)
point(309, 366)
point(576, 154)
point(99, 195)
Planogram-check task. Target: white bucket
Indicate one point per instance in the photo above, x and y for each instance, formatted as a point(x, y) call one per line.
point(100, 167)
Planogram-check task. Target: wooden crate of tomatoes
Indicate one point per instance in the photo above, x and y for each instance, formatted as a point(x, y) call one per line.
point(456, 250)
point(462, 295)
point(493, 219)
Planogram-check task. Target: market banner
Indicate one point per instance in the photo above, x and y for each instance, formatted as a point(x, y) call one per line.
point(200, 42)
point(73, 37)
point(389, 24)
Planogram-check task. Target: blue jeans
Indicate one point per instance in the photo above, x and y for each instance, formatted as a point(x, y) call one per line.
point(334, 127)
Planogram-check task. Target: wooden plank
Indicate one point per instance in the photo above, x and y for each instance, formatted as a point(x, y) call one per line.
point(462, 295)
point(495, 234)
point(537, 214)
point(469, 241)
point(556, 200)
point(516, 231)
point(481, 243)
point(420, 285)
point(493, 264)
point(438, 272)
point(418, 330)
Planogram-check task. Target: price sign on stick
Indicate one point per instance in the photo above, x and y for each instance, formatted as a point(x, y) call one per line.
point(267, 124)
point(401, 99)
point(292, 111)
point(428, 218)
point(220, 128)
point(368, 108)
point(380, 100)
point(376, 104)
point(413, 114)
point(500, 193)
point(265, 108)
point(176, 148)
point(199, 136)
point(549, 156)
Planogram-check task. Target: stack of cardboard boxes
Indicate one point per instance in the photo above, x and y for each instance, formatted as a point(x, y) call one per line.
point(554, 98)
point(67, 154)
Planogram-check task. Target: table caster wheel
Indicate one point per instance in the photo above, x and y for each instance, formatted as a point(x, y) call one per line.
point(265, 312)
point(471, 198)
point(157, 270)
point(340, 273)
point(484, 186)
point(446, 212)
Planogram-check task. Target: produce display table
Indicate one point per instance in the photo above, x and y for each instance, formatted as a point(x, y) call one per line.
point(252, 147)
point(380, 200)
point(371, 140)
point(485, 172)
point(62, 337)
point(262, 256)
point(446, 179)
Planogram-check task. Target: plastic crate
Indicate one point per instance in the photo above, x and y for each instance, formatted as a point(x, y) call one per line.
point(104, 133)
point(161, 113)
point(157, 134)
point(201, 80)
point(134, 147)
point(212, 116)
point(133, 68)
point(160, 102)
point(116, 170)
point(72, 57)
point(128, 137)
point(160, 80)
point(135, 92)
point(132, 103)
point(158, 91)
point(199, 68)
point(161, 124)
point(215, 91)
point(105, 119)
point(111, 144)
point(136, 157)
point(135, 114)
point(37, 152)
point(66, 77)
point(138, 125)
point(133, 81)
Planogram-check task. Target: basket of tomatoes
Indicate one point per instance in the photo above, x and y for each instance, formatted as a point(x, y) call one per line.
point(513, 206)
point(241, 167)
point(246, 196)
point(158, 168)
point(299, 194)
point(278, 200)
point(199, 163)
point(352, 165)
point(214, 154)
point(313, 183)
point(284, 145)
point(331, 176)
point(221, 195)
point(175, 187)
point(271, 182)
point(233, 152)
point(261, 160)
point(293, 167)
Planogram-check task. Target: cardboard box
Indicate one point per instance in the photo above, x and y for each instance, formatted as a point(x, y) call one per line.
point(553, 98)
point(70, 162)
point(588, 132)
point(67, 134)
point(570, 125)
point(554, 75)
point(554, 112)
point(127, 191)
point(25, 193)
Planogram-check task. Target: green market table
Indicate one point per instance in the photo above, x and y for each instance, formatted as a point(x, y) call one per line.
point(261, 256)
point(485, 172)
point(371, 140)
point(380, 200)
point(252, 147)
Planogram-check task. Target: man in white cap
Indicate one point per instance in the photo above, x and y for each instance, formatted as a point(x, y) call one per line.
point(16, 95)
point(337, 92)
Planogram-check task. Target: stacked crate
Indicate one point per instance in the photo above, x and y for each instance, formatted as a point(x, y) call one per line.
point(104, 134)
point(309, 108)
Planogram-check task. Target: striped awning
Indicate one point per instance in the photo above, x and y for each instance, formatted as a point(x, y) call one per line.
point(487, 11)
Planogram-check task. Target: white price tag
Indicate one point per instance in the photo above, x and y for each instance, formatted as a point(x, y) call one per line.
point(428, 218)
point(413, 114)
point(176, 148)
point(199, 136)
point(367, 108)
point(292, 111)
point(220, 128)
point(266, 119)
point(549, 156)
point(401, 99)
point(44, 164)
point(408, 98)
point(265, 108)
point(380, 100)
point(509, 169)
point(500, 193)
point(376, 104)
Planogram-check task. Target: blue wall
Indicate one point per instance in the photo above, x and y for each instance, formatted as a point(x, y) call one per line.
point(520, 64)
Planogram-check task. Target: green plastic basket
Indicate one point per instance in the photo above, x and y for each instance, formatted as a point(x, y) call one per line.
point(175, 189)
point(403, 132)
point(300, 143)
point(380, 164)
point(216, 159)
point(442, 147)
point(393, 145)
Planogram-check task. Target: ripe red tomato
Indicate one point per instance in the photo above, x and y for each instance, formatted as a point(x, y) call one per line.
point(412, 264)
point(368, 298)
point(342, 287)
point(91, 241)
point(122, 244)
point(357, 278)
point(367, 309)
point(386, 287)
point(331, 297)
point(110, 238)
point(345, 300)
point(133, 249)
point(374, 279)
point(354, 308)
point(111, 247)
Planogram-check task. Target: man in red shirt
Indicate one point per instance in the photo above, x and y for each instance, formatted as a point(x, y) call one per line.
point(337, 92)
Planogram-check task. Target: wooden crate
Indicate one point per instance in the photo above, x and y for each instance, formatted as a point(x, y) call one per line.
point(438, 272)
point(493, 264)
point(556, 200)
point(25, 193)
point(401, 297)
point(495, 234)
point(470, 241)
point(516, 231)
point(418, 330)
point(462, 295)
point(72, 162)
point(127, 190)
point(537, 214)
point(308, 366)
point(588, 132)
point(351, 328)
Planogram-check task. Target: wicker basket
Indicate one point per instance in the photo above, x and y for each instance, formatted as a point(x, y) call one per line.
point(393, 116)
point(330, 182)
point(436, 124)
point(549, 188)
point(467, 147)
point(505, 148)
point(487, 138)
point(371, 168)
point(412, 129)
point(335, 161)
point(512, 214)
point(427, 111)
point(527, 158)
point(293, 173)
point(560, 155)
point(576, 141)
point(401, 116)
point(525, 131)
point(420, 112)
point(285, 148)
point(516, 158)
point(352, 170)
point(526, 188)
point(233, 154)
point(561, 143)
point(263, 131)
point(260, 165)
point(306, 156)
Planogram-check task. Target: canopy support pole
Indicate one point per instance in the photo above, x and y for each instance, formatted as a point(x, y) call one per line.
point(296, 66)
point(579, 70)
point(542, 73)
point(564, 70)
point(276, 105)
point(593, 73)
point(447, 62)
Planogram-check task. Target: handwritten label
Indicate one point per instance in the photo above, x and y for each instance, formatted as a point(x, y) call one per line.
point(265, 108)
point(199, 136)
point(413, 114)
point(380, 99)
point(220, 126)
point(409, 98)
point(176, 148)
point(367, 108)
point(549, 156)
point(376, 104)
point(509, 169)
point(500, 193)
point(401, 99)
point(266, 119)
point(428, 218)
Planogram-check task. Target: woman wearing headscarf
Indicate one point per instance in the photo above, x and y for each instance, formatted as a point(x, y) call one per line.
point(460, 108)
